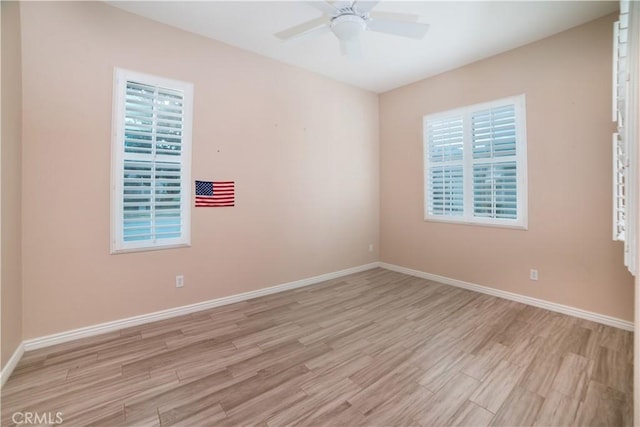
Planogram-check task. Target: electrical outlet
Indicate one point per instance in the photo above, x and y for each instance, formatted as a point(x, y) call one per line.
point(370, 247)
point(533, 274)
point(179, 281)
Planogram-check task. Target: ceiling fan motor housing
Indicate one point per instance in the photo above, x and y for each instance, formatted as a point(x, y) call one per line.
point(348, 26)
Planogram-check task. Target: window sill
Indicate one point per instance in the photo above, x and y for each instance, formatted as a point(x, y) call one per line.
point(149, 249)
point(523, 227)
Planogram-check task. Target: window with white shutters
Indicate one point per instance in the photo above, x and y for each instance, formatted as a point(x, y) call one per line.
point(475, 164)
point(151, 162)
point(626, 45)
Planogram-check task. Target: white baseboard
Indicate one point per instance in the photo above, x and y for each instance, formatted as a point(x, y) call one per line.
point(552, 306)
point(115, 325)
point(11, 364)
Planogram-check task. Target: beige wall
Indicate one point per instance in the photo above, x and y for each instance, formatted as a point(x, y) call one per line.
point(11, 246)
point(302, 149)
point(566, 79)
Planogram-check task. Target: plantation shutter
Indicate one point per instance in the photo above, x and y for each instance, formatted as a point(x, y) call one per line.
point(626, 44)
point(154, 191)
point(620, 111)
point(495, 178)
point(445, 158)
point(475, 164)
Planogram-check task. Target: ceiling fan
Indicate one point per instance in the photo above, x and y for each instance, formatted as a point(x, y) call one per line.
point(348, 19)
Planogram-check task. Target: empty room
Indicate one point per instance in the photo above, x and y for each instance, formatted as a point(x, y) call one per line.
point(327, 213)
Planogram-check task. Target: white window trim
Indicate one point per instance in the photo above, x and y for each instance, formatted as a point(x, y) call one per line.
point(521, 222)
point(121, 76)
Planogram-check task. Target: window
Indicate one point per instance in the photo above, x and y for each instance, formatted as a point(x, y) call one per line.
point(620, 110)
point(475, 164)
point(626, 42)
point(151, 155)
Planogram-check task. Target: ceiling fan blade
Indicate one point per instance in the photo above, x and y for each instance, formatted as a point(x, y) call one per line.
point(413, 30)
point(324, 7)
point(309, 34)
point(305, 27)
point(342, 4)
point(365, 6)
point(352, 49)
point(394, 16)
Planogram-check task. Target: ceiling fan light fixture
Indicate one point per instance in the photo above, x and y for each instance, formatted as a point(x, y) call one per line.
point(348, 27)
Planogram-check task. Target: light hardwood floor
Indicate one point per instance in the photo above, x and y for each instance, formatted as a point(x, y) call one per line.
point(375, 348)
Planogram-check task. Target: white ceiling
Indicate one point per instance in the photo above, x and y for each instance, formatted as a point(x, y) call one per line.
point(460, 33)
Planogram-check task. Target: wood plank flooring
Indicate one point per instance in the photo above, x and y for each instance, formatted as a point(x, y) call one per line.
point(375, 348)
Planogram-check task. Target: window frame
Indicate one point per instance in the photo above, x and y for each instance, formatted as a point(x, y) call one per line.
point(467, 217)
point(118, 158)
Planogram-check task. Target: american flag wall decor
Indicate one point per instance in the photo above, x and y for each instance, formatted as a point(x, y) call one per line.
point(215, 194)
